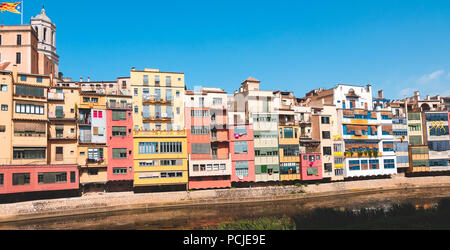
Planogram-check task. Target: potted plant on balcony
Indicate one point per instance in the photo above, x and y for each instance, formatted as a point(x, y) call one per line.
point(360, 154)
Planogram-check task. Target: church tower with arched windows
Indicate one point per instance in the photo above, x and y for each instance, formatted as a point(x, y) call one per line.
point(46, 31)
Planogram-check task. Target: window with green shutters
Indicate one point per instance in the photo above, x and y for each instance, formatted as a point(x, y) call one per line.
point(119, 115)
point(29, 91)
point(59, 111)
point(119, 153)
point(119, 131)
point(414, 116)
point(415, 140)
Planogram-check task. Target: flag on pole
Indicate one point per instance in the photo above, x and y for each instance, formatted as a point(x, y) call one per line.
point(11, 7)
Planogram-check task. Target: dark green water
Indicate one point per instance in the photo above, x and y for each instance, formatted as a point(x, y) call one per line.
point(199, 216)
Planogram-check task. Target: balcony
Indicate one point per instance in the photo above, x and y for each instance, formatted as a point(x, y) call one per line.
point(63, 137)
point(157, 118)
point(119, 105)
point(56, 96)
point(84, 121)
point(87, 138)
point(59, 117)
point(148, 99)
point(151, 133)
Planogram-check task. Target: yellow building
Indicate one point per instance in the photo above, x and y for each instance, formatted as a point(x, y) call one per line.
point(160, 139)
point(62, 114)
point(29, 108)
point(289, 137)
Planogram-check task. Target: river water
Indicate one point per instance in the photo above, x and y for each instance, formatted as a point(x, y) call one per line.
point(198, 216)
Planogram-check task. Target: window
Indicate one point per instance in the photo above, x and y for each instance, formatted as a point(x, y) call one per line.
point(93, 171)
point(290, 150)
point(326, 150)
point(72, 177)
point(4, 88)
point(240, 130)
point(29, 153)
point(171, 147)
point(389, 164)
point(242, 168)
point(136, 92)
point(21, 179)
point(119, 153)
point(169, 96)
point(337, 147)
point(119, 131)
point(338, 160)
point(439, 145)
point(18, 58)
point(178, 93)
point(19, 39)
point(438, 130)
point(168, 81)
point(414, 127)
point(119, 171)
point(145, 79)
point(354, 165)
point(200, 148)
point(4, 107)
point(59, 153)
point(200, 130)
point(157, 80)
point(119, 115)
point(49, 178)
point(288, 133)
point(1, 179)
point(325, 120)
point(29, 91)
point(326, 135)
point(328, 167)
point(415, 140)
point(148, 148)
point(217, 101)
point(199, 113)
point(241, 147)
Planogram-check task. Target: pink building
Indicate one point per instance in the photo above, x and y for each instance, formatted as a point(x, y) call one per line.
point(119, 140)
point(35, 178)
point(242, 153)
point(208, 139)
point(311, 166)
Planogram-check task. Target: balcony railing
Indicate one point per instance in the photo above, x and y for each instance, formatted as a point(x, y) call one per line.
point(119, 105)
point(85, 139)
point(155, 99)
point(63, 137)
point(85, 121)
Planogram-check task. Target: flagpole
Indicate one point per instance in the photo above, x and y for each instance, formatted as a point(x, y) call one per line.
point(22, 14)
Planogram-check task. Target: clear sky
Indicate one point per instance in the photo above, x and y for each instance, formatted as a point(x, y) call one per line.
point(397, 46)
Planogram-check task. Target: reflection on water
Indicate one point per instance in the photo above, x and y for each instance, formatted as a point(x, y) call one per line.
point(199, 216)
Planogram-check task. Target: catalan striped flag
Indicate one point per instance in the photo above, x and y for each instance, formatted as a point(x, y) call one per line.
point(11, 7)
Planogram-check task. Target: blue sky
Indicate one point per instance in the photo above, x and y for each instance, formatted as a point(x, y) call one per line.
point(397, 46)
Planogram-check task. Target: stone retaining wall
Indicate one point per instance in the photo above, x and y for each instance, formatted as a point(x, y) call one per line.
point(113, 201)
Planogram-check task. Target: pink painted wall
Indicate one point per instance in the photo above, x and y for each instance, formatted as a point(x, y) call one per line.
point(34, 186)
point(304, 165)
point(209, 182)
point(249, 156)
point(120, 142)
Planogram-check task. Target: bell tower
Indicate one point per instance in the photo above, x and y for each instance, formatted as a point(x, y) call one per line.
point(46, 31)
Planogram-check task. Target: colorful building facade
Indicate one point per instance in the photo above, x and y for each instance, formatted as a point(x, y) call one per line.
point(159, 137)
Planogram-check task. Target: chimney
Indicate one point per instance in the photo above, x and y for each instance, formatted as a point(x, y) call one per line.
point(81, 79)
point(428, 97)
point(368, 87)
point(89, 79)
point(380, 94)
